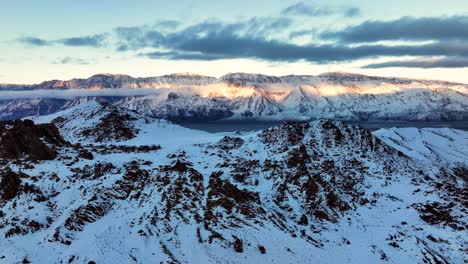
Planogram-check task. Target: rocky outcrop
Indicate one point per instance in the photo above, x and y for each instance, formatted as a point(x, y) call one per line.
point(10, 184)
point(24, 139)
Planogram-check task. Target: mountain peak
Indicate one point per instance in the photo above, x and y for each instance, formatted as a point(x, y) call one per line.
point(240, 78)
point(110, 75)
point(186, 74)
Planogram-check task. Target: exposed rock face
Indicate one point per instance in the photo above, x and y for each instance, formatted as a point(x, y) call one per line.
point(9, 184)
point(112, 127)
point(24, 139)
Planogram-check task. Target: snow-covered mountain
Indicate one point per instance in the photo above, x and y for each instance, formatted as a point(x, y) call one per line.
point(238, 95)
point(104, 80)
point(445, 148)
point(129, 188)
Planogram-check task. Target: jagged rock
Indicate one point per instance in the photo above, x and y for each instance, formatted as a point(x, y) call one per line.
point(10, 183)
point(238, 245)
point(85, 154)
point(262, 249)
point(113, 126)
point(227, 195)
point(24, 139)
point(229, 143)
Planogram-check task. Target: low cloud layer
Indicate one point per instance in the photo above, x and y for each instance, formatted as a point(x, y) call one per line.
point(423, 63)
point(74, 93)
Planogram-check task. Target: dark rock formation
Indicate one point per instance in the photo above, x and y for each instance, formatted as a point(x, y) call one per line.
point(24, 139)
point(9, 184)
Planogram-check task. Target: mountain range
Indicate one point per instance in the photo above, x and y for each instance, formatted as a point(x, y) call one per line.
point(98, 183)
point(236, 96)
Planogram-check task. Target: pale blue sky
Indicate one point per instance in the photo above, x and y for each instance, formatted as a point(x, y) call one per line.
point(62, 56)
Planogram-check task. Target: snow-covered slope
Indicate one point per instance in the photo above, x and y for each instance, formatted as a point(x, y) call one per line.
point(101, 122)
point(444, 147)
point(318, 192)
point(239, 95)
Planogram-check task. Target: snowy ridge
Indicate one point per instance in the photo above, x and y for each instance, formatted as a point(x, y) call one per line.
point(94, 122)
point(239, 95)
point(445, 147)
point(321, 192)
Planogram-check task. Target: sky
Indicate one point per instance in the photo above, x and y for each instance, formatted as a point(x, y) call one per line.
point(64, 39)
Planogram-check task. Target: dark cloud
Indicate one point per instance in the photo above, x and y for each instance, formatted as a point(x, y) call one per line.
point(406, 28)
point(134, 38)
point(266, 38)
point(304, 9)
point(71, 60)
point(85, 41)
point(249, 39)
point(425, 63)
point(33, 41)
point(225, 45)
point(352, 12)
point(182, 56)
point(94, 41)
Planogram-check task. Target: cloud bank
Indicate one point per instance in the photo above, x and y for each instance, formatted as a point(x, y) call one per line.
point(74, 93)
point(432, 41)
point(405, 28)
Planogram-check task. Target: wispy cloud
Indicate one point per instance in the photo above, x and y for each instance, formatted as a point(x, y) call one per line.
point(82, 41)
point(303, 9)
point(425, 63)
point(71, 60)
point(33, 41)
point(169, 24)
point(352, 11)
point(307, 10)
